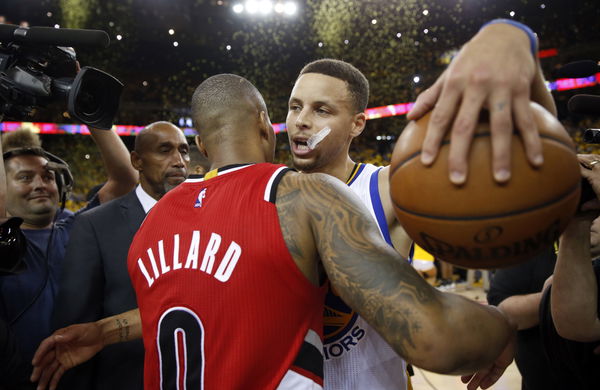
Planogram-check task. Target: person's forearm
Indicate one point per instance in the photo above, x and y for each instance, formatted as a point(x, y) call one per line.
point(523, 310)
point(574, 287)
point(122, 177)
point(121, 327)
point(539, 92)
point(471, 335)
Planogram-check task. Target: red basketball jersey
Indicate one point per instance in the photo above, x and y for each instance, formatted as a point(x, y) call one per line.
point(222, 302)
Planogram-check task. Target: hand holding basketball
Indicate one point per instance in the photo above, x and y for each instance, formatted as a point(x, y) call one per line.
point(484, 224)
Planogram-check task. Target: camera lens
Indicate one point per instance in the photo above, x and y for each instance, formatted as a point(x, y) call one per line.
point(94, 98)
point(90, 99)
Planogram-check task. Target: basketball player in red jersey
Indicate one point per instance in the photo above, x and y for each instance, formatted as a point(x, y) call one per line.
point(229, 272)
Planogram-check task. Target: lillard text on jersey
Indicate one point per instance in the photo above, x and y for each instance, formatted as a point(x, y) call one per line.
point(160, 261)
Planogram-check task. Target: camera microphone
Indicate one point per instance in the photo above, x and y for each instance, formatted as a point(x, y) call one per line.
point(578, 69)
point(585, 104)
point(54, 36)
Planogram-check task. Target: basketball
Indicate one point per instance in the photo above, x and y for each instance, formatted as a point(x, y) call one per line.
point(483, 224)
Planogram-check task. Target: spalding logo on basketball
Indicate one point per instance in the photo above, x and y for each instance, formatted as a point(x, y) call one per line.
point(483, 224)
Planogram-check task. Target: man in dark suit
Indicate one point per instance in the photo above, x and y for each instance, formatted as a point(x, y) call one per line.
point(95, 283)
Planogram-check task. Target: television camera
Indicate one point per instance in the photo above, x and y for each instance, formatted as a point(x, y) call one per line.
point(38, 66)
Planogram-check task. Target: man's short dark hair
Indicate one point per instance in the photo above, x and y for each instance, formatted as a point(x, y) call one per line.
point(224, 95)
point(358, 86)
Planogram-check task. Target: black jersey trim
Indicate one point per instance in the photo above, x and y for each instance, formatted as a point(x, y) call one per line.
point(354, 173)
point(275, 184)
point(231, 166)
point(309, 358)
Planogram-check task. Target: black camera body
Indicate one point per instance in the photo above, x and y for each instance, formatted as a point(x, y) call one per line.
point(13, 245)
point(34, 72)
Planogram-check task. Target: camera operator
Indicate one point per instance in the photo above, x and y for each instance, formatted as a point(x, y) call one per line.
point(14, 370)
point(569, 311)
point(27, 299)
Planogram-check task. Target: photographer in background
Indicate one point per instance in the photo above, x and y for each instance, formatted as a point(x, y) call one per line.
point(14, 369)
point(39, 67)
point(36, 184)
point(569, 311)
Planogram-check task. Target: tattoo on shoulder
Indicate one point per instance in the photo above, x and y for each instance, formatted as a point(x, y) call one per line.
point(288, 197)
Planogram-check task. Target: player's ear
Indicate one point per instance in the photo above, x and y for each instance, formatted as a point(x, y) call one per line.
point(358, 125)
point(200, 145)
point(136, 161)
point(266, 129)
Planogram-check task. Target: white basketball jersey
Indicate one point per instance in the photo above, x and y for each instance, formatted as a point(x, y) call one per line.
point(356, 356)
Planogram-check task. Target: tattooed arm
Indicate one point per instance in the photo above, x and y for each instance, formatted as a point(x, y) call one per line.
point(76, 344)
point(445, 333)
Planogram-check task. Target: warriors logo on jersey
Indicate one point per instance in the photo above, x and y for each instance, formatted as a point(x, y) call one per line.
point(339, 317)
point(341, 332)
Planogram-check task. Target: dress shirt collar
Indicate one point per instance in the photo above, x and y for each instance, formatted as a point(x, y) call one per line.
point(146, 200)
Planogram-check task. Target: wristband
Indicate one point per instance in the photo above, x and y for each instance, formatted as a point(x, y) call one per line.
point(530, 34)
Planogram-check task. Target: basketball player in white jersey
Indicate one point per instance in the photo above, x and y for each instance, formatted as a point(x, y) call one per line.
point(325, 113)
point(326, 95)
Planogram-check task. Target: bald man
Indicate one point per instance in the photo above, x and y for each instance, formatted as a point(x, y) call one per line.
point(95, 283)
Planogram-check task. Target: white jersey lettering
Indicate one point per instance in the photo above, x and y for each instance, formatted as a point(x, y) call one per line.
point(229, 262)
point(149, 279)
point(224, 269)
point(176, 262)
point(209, 255)
point(153, 263)
point(192, 258)
point(164, 268)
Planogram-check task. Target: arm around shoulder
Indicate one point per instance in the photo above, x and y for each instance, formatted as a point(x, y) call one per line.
point(439, 332)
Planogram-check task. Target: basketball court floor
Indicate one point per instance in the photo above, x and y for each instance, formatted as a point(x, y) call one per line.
point(425, 380)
